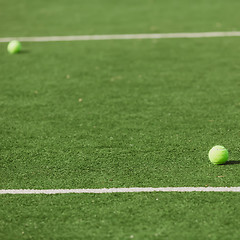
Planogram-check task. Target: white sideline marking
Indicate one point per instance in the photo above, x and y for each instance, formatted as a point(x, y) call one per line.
point(122, 36)
point(121, 190)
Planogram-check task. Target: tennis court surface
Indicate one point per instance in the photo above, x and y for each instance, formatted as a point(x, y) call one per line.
point(130, 119)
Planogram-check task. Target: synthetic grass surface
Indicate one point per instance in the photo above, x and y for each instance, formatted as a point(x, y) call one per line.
point(119, 113)
point(138, 216)
point(79, 17)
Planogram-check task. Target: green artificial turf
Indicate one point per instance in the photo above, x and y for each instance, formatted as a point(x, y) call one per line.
point(130, 113)
point(76, 17)
point(195, 216)
point(148, 115)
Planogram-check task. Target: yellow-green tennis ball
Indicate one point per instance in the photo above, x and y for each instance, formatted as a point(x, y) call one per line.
point(14, 47)
point(218, 155)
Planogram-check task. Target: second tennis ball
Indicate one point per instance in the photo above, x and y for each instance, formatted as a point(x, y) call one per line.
point(14, 47)
point(218, 155)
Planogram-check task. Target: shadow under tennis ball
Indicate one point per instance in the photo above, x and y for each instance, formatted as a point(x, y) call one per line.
point(232, 162)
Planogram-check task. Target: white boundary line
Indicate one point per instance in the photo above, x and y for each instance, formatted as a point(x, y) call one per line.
point(121, 190)
point(122, 37)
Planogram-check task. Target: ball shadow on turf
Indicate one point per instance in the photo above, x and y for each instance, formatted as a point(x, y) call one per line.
point(23, 52)
point(233, 162)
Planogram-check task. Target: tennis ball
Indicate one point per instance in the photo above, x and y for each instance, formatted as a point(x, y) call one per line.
point(218, 155)
point(14, 47)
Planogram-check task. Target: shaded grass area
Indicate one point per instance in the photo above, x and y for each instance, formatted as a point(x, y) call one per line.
point(121, 216)
point(79, 17)
point(119, 113)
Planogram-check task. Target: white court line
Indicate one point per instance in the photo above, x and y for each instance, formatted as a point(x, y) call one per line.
point(121, 190)
point(122, 37)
